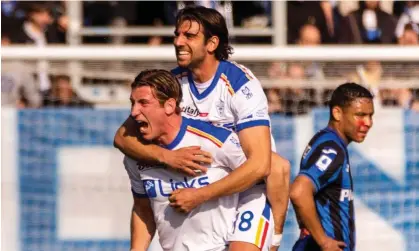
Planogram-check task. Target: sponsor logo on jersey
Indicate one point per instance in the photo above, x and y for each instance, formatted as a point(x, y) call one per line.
point(142, 167)
point(154, 188)
point(262, 113)
point(191, 111)
point(306, 151)
point(235, 141)
point(346, 194)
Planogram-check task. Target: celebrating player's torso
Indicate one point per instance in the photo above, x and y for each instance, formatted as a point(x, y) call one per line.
point(233, 99)
point(207, 227)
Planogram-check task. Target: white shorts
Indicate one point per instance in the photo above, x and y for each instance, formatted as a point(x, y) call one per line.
point(254, 222)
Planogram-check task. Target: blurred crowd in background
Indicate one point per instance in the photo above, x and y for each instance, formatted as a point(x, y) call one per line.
point(309, 23)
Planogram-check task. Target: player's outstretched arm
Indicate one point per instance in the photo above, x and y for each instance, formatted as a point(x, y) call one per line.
point(184, 159)
point(143, 226)
point(302, 197)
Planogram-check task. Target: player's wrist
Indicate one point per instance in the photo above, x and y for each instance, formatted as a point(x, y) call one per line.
point(204, 194)
point(276, 239)
point(164, 156)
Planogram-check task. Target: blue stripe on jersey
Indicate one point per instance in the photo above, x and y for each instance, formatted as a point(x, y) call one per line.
point(217, 132)
point(139, 195)
point(262, 122)
point(221, 68)
point(236, 76)
point(178, 70)
point(267, 210)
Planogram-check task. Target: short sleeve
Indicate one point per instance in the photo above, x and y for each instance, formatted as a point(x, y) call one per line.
point(250, 106)
point(323, 164)
point(231, 154)
point(137, 186)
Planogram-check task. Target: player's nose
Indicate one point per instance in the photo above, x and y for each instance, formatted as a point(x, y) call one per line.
point(178, 41)
point(135, 111)
point(368, 122)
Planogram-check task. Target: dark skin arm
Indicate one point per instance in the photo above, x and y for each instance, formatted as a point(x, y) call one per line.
point(302, 198)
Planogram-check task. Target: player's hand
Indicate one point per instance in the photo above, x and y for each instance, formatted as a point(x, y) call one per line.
point(273, 248)
point(189, 160)
point(185, 200)
point(330, 244)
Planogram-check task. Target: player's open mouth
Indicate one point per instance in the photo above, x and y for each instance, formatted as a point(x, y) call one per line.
point(143, 125)
point(182, 54)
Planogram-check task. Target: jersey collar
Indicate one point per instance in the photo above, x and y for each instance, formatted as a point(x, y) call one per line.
point(204, 94)
point(330, 129)
point(179, 136)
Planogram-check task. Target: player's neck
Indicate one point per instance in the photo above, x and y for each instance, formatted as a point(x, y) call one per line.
point(171, 129)
point(336, 128)
point(205, 71)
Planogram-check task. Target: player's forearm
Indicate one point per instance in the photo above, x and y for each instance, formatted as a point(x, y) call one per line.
point(278, 195)
point(241, 179)
point(143, 229)
point(304, 206)
point(126, 140)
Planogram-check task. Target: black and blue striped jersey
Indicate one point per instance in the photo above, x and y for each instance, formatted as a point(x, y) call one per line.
point(326, 162)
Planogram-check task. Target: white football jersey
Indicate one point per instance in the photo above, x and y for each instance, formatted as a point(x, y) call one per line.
point(234, 99)
point(208, 226)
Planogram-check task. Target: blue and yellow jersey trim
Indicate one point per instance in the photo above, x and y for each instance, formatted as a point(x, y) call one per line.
point(228, 84)
point(216, 135)
point(235, 76)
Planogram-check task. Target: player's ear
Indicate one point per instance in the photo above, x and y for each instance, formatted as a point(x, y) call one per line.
point(170, 106)
point(337, 113)
point(212, 44)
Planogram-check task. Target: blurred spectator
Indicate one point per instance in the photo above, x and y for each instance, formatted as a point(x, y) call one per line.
point(309, 35)
point(35, 26)
point(347, 6)
point(297, 101)
point(409, 16)
point(274, 101)
point(63, 95)
point(369, 24)
point(300, 13)
point(409, 36)
point(18, 87)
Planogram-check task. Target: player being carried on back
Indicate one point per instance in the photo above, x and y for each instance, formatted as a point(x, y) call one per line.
point(229, 95)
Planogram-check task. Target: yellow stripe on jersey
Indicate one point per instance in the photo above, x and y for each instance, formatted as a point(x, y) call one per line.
point(227, 82)
point(261, 232)
point(204, 135)
point(243, 70)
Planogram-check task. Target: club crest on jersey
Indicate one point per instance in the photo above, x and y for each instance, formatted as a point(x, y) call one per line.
point(246, 92)
point(220, 108)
